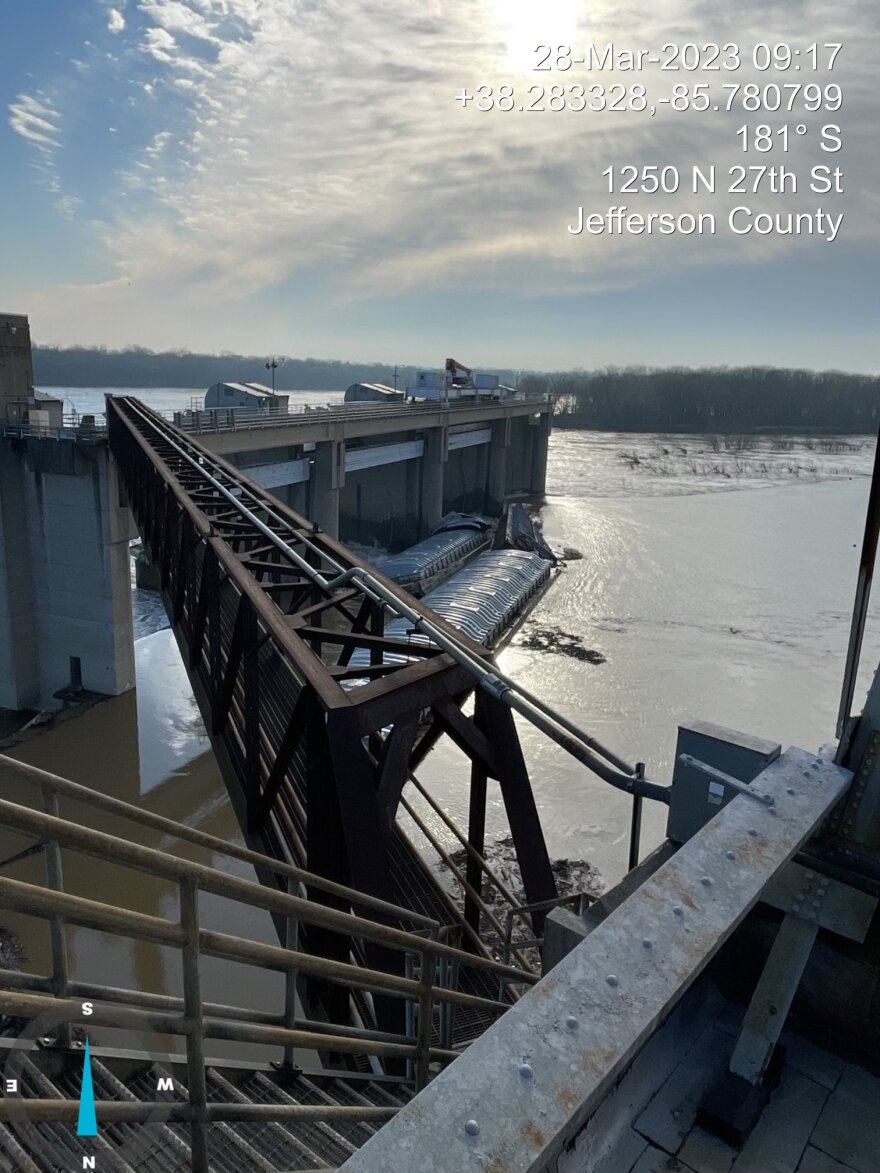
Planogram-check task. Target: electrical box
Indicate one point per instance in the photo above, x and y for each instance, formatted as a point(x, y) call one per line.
point(696, 797)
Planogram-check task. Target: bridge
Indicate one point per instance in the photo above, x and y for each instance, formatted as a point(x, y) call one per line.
point(317, 732)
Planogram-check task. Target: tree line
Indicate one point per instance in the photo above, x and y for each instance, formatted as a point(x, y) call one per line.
point(684, 399)
point(712, 399)
point(136, 366)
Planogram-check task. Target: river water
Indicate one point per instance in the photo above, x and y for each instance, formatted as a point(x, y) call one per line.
point(714, 581)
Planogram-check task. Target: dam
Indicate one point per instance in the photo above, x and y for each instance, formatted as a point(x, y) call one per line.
point(374, 473)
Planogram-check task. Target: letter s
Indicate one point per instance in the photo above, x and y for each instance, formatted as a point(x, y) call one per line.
point(831, 140)
point(88, 1008)
point(820, 179)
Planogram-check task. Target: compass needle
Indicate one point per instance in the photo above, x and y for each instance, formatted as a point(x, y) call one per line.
point(87, 1124)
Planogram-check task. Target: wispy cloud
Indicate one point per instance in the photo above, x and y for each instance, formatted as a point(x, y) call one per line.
point(37, 121)
point(282, 138)
point(175, 16)
point(303, 148)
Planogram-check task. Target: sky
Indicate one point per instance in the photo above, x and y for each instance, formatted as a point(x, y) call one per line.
point(296, 177)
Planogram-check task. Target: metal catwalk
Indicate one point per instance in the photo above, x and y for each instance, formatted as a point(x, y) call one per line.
point(269, 613)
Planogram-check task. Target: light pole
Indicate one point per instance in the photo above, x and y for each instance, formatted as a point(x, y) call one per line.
point(273, 367)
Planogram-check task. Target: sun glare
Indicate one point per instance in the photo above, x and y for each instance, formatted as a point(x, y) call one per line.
point(524, 24)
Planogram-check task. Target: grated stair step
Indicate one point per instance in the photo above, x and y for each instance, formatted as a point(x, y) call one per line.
point(156, 1149)
point(163, 1147)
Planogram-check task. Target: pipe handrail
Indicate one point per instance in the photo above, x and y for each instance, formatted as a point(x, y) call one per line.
point(219, 883)
point(31, 775)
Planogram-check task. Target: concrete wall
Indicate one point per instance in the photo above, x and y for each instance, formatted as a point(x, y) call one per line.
point(382, 505)
point(65, 588)
point(464, 486)
point(397, 502)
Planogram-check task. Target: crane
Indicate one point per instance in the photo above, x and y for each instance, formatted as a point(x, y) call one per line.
point(457, 373)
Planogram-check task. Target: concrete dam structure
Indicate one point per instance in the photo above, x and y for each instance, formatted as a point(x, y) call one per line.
point(65, 593)
point(386, 472)
point(367, 472)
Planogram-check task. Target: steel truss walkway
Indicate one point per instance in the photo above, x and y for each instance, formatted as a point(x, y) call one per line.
point(268, 612)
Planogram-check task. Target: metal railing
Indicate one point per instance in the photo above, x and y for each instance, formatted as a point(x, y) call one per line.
point(427, 984)
point(72, 428)
point(231, 419)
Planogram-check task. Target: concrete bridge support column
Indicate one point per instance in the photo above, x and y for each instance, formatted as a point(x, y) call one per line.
point(434, 461)
point(65, 592)
point(496, 480)
point(328, 477)
point(540, 448)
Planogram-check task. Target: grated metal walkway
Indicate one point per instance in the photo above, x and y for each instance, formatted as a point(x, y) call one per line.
point(163, 1147)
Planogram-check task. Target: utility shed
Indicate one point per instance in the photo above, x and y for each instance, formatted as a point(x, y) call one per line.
point(372, 393)
point(254, 396)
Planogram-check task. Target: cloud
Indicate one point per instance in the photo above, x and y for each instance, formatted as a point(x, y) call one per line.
point(174, 16)
point(288, 138)
point(97, 287)
point(36, 120)
point(68, 206)
point(115, 21)
point(159, 143)
point(160, 44)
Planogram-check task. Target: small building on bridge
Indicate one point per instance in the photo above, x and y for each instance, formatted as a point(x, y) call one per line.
point(253, 396)
point(372, 393)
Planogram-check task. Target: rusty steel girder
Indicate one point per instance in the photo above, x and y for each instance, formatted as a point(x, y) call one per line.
point(315, 752)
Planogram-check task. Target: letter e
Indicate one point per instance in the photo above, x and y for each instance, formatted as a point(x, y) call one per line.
point(11, 1087)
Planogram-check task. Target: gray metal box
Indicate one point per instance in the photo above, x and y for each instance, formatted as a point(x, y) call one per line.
point(695, 797)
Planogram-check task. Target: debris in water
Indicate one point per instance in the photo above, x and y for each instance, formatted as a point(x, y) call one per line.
point(570, 554)
point(573, 877)
point(564, 643)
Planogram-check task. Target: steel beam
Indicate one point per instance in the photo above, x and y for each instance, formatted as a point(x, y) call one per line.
point(530, 1083)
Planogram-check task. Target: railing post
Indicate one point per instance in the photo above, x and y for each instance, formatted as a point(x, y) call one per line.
point(57, 927)
point(195, 1038)
point(449, 981)
point(426, 1020)
point(410, 1016)
point(291, 941)
point(635, 830)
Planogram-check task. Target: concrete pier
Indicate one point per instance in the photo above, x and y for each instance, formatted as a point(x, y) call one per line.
point(329, 479)
point(65, 594)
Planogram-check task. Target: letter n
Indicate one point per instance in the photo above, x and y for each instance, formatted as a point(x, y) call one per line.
point(89, 1163)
